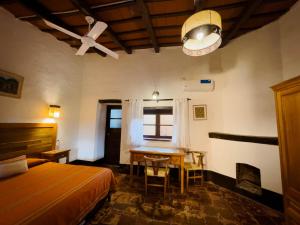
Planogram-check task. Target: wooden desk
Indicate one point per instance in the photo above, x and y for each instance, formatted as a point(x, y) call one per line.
point(55, 155)
point(176, 158)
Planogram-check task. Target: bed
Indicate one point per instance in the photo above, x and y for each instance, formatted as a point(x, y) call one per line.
point(49, 193)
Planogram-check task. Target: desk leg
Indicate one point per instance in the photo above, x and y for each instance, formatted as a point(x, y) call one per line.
point(138, 169)
point(131, 168)
point(182, 175)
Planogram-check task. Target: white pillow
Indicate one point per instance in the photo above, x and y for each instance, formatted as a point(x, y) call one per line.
point(13, 159)
point(13, 167)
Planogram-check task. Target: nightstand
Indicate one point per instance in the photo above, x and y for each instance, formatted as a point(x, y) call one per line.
point(55, 155)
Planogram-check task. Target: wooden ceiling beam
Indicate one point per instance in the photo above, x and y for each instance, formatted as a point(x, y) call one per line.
point(162, 45)
point(72, 39)
point(245, 15)
point(147, 20)
point(159, 38)
point(183, 13)
point(84, 8)
point(44, 13)
point(94, 8)
point(190, 12)
point(134, 39)
point(5, 2)
point(105, 7)
point(97, 51)
point(167, 44)
point(161, 28)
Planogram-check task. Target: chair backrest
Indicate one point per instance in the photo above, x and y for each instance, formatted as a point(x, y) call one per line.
point(156, 162)
point(197, 157)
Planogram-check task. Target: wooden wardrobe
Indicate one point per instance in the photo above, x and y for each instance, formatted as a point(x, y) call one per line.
point(287, 97)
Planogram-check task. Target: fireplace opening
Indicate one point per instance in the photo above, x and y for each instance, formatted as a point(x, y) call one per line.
point(248, 178)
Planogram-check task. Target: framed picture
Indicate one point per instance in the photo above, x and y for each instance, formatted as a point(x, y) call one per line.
point(199, 112)
point(10, 84)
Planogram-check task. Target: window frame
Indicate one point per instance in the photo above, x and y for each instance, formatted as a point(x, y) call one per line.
point(109, 117)
point(157, 111)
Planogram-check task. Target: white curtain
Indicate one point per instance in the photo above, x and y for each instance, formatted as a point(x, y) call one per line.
point(134, 122)
point(181, 131)
point(132, 127)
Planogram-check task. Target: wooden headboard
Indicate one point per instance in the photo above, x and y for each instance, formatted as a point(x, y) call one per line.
point(26, 139)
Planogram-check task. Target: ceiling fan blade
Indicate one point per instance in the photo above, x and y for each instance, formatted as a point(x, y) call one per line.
point(50, 24)
point(97, 29)
point(106, 50)
point(83, 48)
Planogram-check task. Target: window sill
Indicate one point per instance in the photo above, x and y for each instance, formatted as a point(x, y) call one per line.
point(157, 139)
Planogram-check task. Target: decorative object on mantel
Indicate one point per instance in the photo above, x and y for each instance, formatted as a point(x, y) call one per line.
point(201, 33)
point(199, 112)
point(54, 111)
point(10, 84)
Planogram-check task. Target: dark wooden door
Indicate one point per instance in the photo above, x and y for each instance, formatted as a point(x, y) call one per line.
point(288, 116)
point(113, 134)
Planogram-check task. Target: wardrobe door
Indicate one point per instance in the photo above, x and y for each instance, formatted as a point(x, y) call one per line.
point(287, 97)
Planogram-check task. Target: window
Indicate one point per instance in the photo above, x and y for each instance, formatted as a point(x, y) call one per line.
point(115, 118)
point(158, 123)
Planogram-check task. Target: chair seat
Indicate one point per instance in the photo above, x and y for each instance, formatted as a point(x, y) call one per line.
point(192, 166)
point(161, 172)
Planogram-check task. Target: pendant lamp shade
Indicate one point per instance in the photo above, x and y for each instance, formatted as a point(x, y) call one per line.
point(201, 33)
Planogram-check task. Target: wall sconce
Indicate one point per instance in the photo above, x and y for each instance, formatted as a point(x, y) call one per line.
point(54, 111)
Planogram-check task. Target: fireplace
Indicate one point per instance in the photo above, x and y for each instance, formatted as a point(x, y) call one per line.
point(248, 178)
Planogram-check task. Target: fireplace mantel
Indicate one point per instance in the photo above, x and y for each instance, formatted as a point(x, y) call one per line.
point(245, 138)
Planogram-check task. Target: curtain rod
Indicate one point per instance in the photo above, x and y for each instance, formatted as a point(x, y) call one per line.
point(158, 100)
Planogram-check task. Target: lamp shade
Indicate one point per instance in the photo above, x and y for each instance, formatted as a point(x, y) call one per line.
point(54, 111)
point(201, 33)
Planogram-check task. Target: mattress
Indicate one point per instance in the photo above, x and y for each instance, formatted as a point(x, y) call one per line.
point(53, 193)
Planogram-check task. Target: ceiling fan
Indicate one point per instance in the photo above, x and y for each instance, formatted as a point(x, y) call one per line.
point(88, 40)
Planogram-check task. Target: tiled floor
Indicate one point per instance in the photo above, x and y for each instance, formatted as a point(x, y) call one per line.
point(206, 205)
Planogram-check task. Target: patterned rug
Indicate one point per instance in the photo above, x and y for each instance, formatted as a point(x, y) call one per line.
point(202, 205)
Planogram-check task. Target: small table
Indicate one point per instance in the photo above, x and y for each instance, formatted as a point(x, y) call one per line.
point(55, 155)
point(176, 158)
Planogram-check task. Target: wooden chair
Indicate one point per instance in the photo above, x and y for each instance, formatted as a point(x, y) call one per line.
point(195, 166)
point(157, 167)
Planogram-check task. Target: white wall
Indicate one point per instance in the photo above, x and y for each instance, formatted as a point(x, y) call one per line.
point(290, 48)
point(241, 104)
point(100, 132)
point(52, 75)
point(133, 76)
point(251, 66)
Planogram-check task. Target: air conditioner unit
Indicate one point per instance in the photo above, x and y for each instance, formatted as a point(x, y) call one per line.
point(199, 85)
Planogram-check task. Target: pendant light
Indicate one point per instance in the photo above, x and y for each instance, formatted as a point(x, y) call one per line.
point(201, 33)
point(155, 95)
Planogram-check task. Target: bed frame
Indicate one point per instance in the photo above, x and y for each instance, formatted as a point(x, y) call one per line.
point(26, 139)
point(31, 139)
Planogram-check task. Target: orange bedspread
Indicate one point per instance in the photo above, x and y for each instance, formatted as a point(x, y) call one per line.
point(53, 193)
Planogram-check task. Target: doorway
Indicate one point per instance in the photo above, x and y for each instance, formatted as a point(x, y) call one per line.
point(113, 134)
